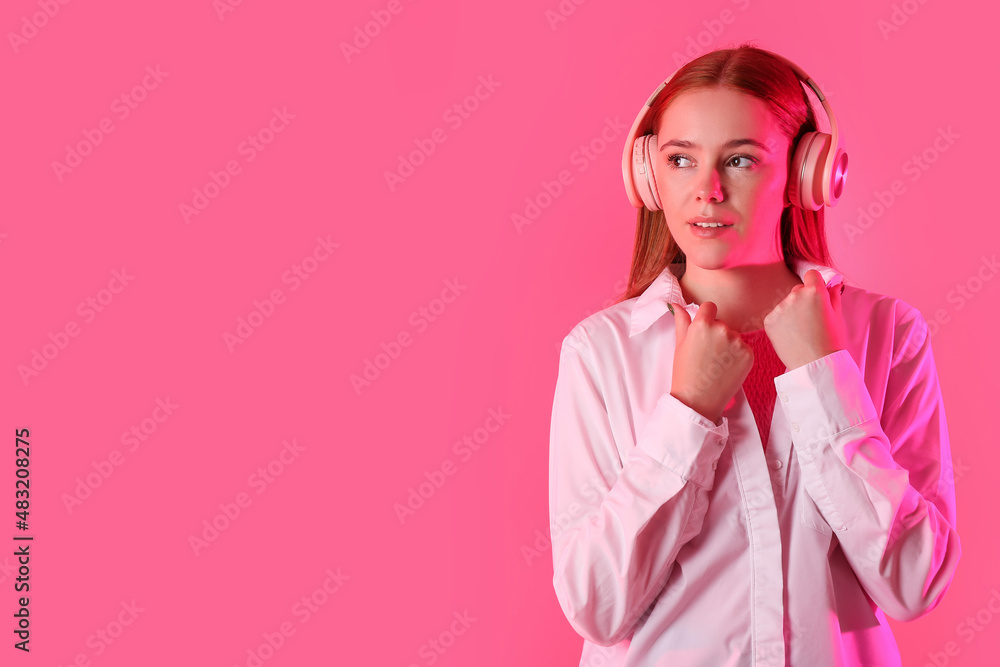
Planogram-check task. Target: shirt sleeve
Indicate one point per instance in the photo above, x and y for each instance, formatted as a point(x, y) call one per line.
point(884, 485)
point(617, 525)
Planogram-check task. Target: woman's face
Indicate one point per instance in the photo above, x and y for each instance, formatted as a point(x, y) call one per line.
point(703, 168)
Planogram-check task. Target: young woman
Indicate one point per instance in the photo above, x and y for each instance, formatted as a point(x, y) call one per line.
point(749, 462)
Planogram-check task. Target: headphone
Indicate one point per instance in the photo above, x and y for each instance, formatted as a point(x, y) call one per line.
point(817, 175)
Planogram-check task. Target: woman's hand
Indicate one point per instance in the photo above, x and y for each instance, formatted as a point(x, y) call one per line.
point(808, 324)
point(711, 361)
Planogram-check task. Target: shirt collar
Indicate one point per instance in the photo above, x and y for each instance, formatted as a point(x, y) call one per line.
point(652, 304)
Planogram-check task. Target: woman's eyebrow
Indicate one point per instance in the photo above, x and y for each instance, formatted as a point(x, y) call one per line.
point(683, 143)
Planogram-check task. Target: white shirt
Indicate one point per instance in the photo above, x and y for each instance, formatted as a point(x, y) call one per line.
point(677, 541)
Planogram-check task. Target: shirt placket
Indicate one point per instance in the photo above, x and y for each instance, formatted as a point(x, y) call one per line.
point(764, 533)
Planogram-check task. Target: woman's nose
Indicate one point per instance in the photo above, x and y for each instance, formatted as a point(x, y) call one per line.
point(711, 186)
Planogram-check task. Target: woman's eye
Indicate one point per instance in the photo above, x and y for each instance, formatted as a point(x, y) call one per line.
point(749, 159)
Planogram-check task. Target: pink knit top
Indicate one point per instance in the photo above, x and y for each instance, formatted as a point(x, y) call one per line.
point(759, 384)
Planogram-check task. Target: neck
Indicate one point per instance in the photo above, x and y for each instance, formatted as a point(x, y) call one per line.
point(744, 295)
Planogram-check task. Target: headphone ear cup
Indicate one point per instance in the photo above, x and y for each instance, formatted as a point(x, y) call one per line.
point(838, 176)
point(643, 174)
point(805, 180)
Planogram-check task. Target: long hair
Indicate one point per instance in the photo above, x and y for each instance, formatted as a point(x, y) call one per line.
point(756, 72)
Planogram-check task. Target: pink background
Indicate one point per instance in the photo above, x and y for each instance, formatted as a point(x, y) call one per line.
point(489, 345)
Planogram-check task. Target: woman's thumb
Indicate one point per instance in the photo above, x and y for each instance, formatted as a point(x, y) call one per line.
point(836, 297)
point(681, 320)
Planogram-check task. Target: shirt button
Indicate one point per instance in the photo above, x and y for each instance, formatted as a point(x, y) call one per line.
point(795, 427)
point(715, 464)
point(776, 464)
point(784, 397)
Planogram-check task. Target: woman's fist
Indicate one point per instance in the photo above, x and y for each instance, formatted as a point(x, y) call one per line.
point(711, 361)
point(808, 324)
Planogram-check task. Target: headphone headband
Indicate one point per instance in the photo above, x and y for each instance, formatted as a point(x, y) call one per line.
point(819, 166)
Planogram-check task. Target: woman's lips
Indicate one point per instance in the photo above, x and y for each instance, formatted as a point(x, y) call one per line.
point(708, 232)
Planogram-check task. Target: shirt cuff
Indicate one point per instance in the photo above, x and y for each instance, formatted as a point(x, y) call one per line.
point(684, 441)
point(823, 398)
